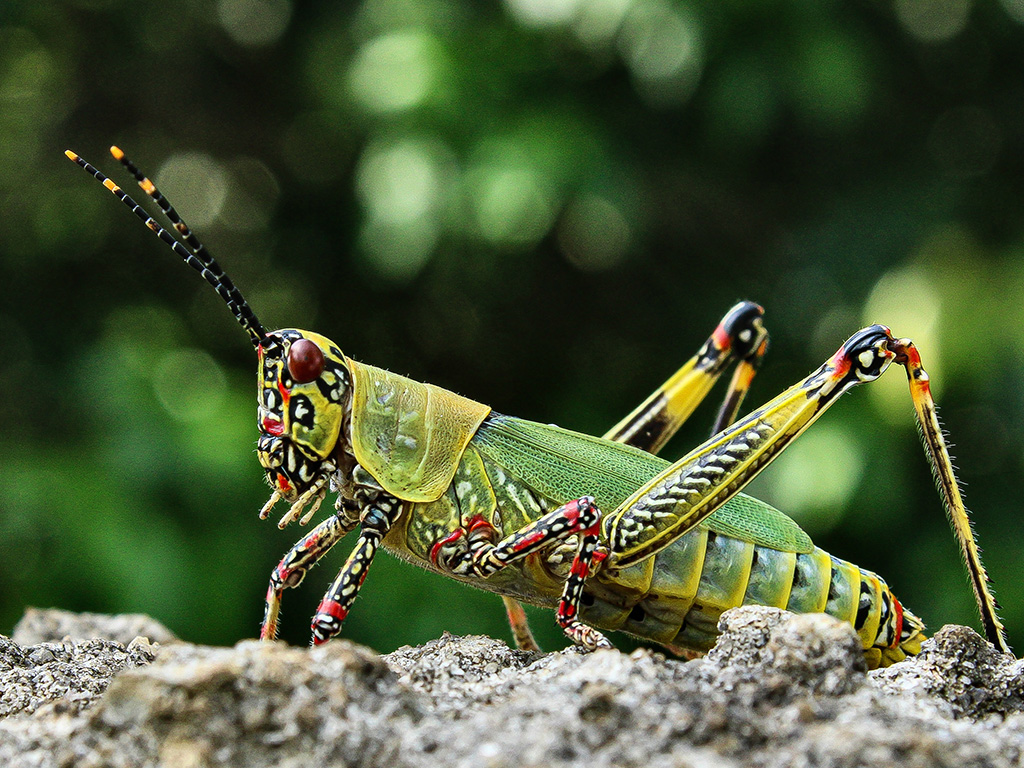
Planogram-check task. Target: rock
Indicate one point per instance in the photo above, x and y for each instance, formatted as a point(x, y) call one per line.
point(787, 652)
point(254, 704)
point(69, 675)
point(53, 625)
point(777, 690)
point(959, 668)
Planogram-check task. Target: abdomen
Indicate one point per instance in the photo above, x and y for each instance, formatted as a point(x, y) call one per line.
point(677, 596)
point(674, 597)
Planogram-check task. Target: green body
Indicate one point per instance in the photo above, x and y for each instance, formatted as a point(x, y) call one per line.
point(514, 471)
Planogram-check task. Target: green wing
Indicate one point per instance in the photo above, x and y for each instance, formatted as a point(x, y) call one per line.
point(564, 465)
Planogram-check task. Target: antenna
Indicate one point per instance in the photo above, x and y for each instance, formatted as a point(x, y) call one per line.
point(195, 255)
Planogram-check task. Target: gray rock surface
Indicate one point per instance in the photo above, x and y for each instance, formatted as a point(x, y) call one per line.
point(51, 625)
point(777, 690)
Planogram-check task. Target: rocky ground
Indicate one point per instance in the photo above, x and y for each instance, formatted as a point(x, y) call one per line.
point(777, 690)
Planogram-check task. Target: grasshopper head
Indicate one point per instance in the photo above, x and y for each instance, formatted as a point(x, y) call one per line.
point(304, 383)
point(303, 389)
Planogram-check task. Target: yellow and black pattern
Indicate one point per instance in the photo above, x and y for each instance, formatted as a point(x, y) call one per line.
point(677, 597)
point(741, 336)
point(299, 419)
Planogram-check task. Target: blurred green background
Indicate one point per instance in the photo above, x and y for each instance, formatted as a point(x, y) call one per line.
point(545, 205)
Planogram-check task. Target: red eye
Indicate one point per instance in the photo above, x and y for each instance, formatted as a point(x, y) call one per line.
point(305, 361)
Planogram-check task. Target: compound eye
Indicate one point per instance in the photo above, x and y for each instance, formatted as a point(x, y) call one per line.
point(305, 361)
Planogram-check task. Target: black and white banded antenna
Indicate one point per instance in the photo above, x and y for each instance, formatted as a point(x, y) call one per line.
point(196, 255)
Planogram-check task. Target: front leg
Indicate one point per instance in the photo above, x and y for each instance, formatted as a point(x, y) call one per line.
point(293, 566)
point(376, 520)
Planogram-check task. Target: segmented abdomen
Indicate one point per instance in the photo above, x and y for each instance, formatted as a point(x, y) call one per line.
point(677, 596)
point(674, 597)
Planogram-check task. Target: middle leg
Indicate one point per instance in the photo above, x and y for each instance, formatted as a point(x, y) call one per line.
point(577, 518)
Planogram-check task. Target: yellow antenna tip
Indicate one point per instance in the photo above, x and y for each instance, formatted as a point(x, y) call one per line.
point(117, 153)
point(71, 155)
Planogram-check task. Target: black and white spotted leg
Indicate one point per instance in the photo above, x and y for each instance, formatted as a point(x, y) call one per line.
point(580, 517)
point(293, 566)
point(374, 524)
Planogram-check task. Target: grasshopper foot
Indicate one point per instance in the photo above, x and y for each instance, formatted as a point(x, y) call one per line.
point(588, 637)
point(327, 622)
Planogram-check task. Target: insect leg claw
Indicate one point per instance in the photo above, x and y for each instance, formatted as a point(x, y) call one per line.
point(312, 510)
point(587, 637)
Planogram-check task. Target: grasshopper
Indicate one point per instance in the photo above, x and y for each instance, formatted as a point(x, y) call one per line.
point(600, 529)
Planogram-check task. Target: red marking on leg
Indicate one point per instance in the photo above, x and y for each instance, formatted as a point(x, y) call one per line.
point(283, 576)
point(566, 613)
point(910, 352)
point(529, 540)
point(281, 573)
point(362, 574)
point(268, 631)
point(327, 610)
point(273, 426)
point(516, 614)
point(907, 355)
point(332, 608)
point(451, 538)
point(574, 511)
point(580, 506)
point(580, 568)
point(282, 484)
point(840, 363)
point(899, 622)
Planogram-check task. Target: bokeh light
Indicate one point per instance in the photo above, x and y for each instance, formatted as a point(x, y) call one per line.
point(198, 178)
point(189, 384)
point(513, 204)
point(661, 44)
point(543, 13)
point(594, 233)
point(254, 22)
point(401, 186)
point(906, 301)
point(933, 21)
point(397, 71)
